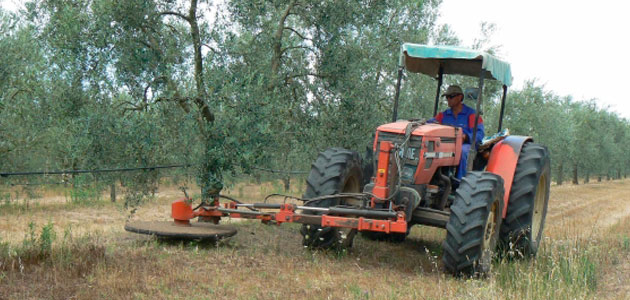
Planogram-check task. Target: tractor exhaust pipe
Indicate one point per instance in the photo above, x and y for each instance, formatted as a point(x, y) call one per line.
point(447, 190)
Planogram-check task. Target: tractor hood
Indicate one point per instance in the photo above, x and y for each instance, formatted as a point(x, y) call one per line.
point(435, 130)
point(453, 60)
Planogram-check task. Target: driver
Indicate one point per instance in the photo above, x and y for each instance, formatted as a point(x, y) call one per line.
point(460, 115)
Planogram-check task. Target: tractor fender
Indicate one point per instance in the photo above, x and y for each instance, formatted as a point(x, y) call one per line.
point(503, 160)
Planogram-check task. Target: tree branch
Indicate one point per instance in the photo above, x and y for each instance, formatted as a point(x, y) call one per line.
point(209, 47)
point(142, 106)
point(132, 107)
point(152, 44)
point(173, 29)
point(173, 13)
point(297, 33)
point(296, 47)
point(144, 95)
point(19, 91)
point(307, 74)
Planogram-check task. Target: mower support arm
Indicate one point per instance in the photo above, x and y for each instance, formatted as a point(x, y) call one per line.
point(360, 219)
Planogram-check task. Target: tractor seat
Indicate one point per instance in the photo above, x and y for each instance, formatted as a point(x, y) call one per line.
point(487, 142)
point(482, 157)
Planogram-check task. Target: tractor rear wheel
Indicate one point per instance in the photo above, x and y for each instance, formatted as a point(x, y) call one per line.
point(473, 228)
point(527, 208)
point(335, 171)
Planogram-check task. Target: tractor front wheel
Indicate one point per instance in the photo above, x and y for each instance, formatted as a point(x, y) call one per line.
point(473, 228)
point(335, 171)
point(527, 208)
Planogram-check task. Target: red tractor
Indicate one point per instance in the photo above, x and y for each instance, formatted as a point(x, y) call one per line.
point(502, 199)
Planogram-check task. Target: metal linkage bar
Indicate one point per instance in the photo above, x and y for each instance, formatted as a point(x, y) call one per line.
point(331, 210)
point(360, 219)
point(362, 224)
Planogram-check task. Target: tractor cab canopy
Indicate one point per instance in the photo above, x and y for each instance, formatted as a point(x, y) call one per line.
point(435, 61)
point(429, 60)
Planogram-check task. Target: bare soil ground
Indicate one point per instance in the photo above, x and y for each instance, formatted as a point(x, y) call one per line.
point(586, 255)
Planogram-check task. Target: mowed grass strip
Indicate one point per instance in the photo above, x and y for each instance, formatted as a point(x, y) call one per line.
point(53, 259)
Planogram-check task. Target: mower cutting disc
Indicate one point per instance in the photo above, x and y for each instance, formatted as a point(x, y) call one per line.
point(168, 229)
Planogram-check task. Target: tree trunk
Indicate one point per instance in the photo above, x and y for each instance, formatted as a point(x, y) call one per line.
point(599, 178)
point(560, 173)
point(587, 179)
point(155, 182)
point(277, 43)
point(73, 175)
point(575, 174)
point(287, 182)
point(210, 177)
point(200, 100)
point(112, 191)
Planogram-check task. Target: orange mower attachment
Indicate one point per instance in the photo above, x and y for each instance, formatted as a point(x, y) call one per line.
point(182, 212)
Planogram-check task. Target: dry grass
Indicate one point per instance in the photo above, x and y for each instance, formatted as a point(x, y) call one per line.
point(585, 256)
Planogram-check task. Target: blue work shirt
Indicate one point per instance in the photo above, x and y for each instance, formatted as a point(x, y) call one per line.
point(465, 119)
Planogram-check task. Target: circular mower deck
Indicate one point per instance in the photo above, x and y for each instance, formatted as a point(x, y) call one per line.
point(168, 229)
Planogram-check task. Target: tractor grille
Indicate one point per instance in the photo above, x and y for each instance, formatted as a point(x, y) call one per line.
point(410, 159)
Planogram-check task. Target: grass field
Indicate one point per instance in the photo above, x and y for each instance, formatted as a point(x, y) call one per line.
point(53, 248)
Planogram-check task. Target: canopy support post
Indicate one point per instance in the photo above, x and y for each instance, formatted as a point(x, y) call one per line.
point(400, 73)
point(437, 94)
point(502, 107)
point(473, 144)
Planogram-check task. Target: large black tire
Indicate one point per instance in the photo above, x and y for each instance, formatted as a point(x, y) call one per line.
point(527, 207)
point(473, 228)
point(335, 170)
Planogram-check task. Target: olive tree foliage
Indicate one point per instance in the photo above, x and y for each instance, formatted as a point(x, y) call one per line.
point(534, 111)
point(584, 140)
point(417, 93)
point(118, 90)
point(239, 86)
point(21, 65)
point(609, 145)
point(325, 69)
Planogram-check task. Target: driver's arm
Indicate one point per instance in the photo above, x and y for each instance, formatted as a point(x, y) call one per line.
point(471, 125)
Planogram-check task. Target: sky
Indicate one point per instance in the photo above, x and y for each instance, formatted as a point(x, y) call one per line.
point(574, 47)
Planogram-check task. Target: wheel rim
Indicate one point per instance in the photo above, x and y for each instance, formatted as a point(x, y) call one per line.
point(489, 235)
point(352, 185)
point(539, 206)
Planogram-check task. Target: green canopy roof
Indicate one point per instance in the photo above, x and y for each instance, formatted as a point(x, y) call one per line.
point(453, 60)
